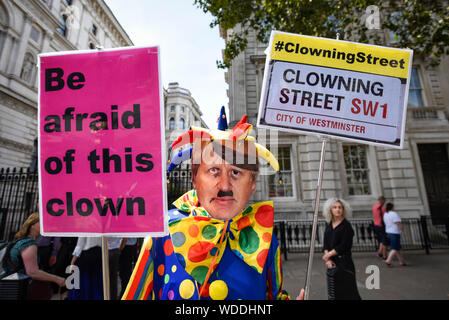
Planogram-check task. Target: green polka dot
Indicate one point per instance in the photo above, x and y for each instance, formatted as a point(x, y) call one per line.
point(166, 278)
point(173, 222)
point(199, 273)
point(209, 232)
point(247, 210)
point(178, 239)
point(249, 240)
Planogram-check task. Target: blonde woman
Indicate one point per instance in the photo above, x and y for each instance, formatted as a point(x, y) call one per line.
point(23, 254)
point(337, 256)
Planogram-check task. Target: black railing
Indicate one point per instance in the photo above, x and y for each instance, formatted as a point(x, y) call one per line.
point(19, 195)
point(18, 198)
point(419, 233)
point(179, 181)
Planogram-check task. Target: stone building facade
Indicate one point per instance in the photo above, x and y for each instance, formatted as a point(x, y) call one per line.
point(181, 112)
point(415, 178)
point(30, 27)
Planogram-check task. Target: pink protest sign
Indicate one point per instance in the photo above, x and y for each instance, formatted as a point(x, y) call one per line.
point(101, 138)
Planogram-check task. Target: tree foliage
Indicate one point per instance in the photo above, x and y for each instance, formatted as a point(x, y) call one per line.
point(422, 25)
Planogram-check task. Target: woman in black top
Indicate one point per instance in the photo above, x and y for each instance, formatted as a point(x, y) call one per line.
point(338, 236)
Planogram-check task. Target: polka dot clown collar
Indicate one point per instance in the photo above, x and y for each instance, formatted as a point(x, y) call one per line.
point(198, 243)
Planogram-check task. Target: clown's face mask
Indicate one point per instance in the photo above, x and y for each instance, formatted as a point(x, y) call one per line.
point(223, 189)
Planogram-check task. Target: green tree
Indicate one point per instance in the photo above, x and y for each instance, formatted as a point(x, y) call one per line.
point(422, 25)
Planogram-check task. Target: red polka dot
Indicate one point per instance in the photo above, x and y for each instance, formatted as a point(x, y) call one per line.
point(194, 230)
point(266, 237)
point(201, 218)
point(243, 223)
point(205, 293)
point(262, 257)
point(161, 269)
point(264, 216)
point(168, 247)
point(198, 251)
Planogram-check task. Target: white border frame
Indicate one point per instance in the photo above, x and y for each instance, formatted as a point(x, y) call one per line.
point(163, 149)
point(264, 95)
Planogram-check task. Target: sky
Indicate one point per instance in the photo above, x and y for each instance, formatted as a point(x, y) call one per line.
point(189, 47)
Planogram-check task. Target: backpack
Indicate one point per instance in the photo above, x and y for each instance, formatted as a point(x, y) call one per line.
point(5, 249)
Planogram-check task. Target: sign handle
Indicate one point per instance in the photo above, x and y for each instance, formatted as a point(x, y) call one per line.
point(315, 219)
point(105, 267)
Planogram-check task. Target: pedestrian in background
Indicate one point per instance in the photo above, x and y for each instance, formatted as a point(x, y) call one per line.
point(128, 257)
point(47, 250)
point(379, 228)
point(394, 229)
point(114, 256)
point(337, 256)
point(23, 258)
point(87, 257)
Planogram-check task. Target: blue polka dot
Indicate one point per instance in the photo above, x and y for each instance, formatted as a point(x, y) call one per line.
point(178, 239)
point(213, 251)
point(181, 260)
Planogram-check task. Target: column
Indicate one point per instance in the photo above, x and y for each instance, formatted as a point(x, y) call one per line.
point(6, 52)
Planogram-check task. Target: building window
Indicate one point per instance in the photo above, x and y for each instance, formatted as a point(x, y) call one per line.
point(69, 2)
point(415, 95)
point(172, 109)
point(63, 29)
point(357, 172)
point(182, 124)
point(35, 34)
point(281, 184)
point(94, 30)
point(171, 124)
point(182, 109)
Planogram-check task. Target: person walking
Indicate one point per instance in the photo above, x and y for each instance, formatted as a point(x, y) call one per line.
point(337, 251)
point(379, 229)
point(394, 229)
point(23, 258)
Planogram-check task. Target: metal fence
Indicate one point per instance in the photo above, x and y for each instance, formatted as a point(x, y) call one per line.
point(18, 198)
point(19, 195)
point(419, 233)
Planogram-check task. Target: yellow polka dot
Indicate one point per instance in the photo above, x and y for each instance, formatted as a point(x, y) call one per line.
point(218, 290)
point(186, 289)
point(173, 269)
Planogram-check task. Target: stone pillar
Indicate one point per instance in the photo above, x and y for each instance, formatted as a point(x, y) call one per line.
point(6, 54)
point(177, 110)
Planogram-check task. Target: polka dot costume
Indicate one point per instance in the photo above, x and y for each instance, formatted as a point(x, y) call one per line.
point(247, 262)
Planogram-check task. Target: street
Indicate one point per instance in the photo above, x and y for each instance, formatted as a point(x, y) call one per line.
point(425, 276)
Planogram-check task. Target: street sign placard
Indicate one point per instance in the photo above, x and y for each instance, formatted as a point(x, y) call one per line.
point(335, 88)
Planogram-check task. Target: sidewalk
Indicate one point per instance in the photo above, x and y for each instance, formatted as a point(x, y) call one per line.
point(425, 276)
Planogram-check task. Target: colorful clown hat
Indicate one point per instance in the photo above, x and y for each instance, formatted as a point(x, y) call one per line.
point(238, 135)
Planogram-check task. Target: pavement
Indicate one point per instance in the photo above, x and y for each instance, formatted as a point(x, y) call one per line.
point(426, 277)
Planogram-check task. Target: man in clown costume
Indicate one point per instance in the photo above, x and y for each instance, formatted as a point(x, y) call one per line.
point(218, 247)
